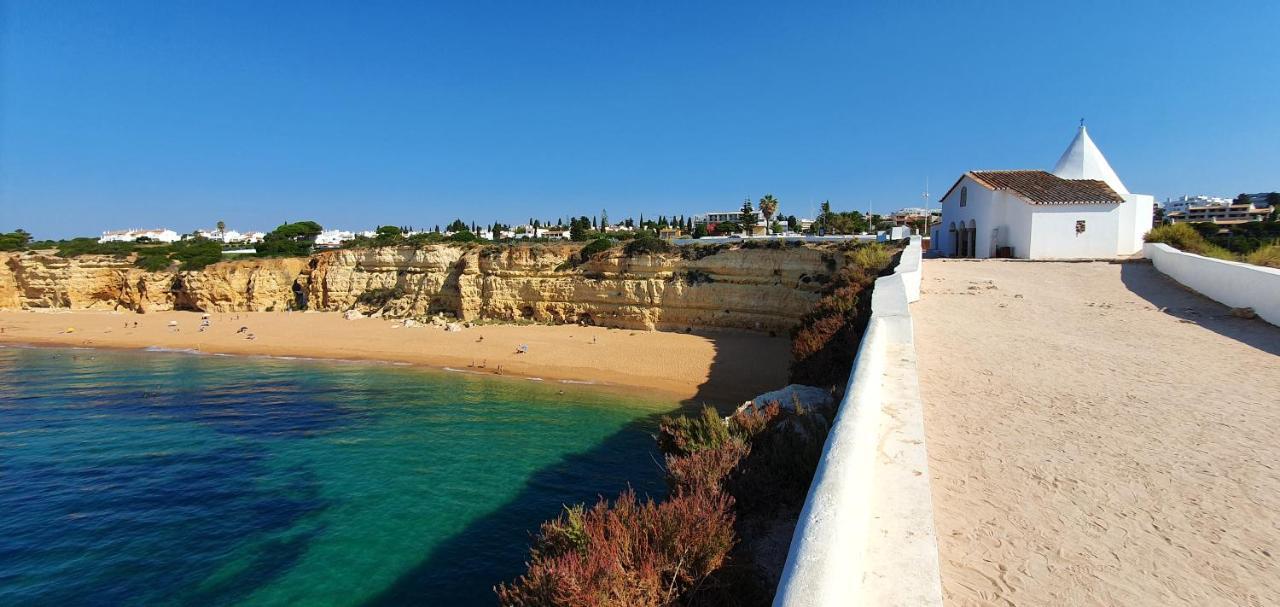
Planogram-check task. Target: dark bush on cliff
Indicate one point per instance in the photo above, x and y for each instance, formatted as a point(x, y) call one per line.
point(825, 342)
point(289, 240)
point(776, 473)
point(16, 240)
point(379, 296)
point(594, 248)
point(647, 244)
point(196, 253)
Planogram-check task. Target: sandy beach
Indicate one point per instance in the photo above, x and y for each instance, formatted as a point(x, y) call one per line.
point(714, 367)
point(1098, 435)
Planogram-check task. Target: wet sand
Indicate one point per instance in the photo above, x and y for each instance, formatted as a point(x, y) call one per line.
point(1098, 435)
point(715, 367)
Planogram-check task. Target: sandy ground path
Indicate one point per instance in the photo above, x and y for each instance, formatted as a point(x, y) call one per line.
point(1098, 435)
point(716, 367)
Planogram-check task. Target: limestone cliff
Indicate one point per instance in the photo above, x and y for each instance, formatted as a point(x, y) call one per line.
point(764, 289)
point(88, 282)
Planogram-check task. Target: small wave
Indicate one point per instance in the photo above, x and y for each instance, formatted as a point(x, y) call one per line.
point(464, 371)
point(578, 381)
point(534, 378)
point(164, 349)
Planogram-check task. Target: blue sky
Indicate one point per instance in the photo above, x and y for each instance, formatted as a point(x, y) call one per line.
point(139, 114)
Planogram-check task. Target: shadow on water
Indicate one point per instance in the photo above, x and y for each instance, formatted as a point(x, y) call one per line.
point(494, 548)
point(1188, 306)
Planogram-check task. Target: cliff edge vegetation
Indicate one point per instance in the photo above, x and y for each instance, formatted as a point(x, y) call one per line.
point(736, 485)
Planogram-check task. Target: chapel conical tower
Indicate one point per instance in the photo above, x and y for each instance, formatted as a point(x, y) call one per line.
point(1083, 160)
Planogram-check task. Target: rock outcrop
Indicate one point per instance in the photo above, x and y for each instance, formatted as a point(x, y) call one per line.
point(87, 282)
point(763, 289)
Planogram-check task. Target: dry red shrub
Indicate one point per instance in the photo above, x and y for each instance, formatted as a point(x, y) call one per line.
point(631, 553)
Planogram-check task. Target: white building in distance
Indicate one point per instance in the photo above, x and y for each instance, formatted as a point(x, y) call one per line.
point(1081, 210)
point(157, 235)
point(1225, 214)
point(333, 238)
point(230, 236)
point(1182, 203)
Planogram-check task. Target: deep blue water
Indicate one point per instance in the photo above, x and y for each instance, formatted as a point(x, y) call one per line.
point(158, 478)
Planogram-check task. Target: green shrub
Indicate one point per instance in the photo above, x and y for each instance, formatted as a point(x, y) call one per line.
point(152, 261)
point(196, 253)
point(91, 246)
point(1189, 239)
point(684, 435)
point(289, 240)
point(728, 227)
point(647, 244)
point(16, 240)
point(425, 238)
point(462, 236)
point(1268, 256)
point(871, 256)
point(594, 248)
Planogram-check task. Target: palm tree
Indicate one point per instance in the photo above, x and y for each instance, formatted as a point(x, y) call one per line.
point(222, 228)
point(768, 206)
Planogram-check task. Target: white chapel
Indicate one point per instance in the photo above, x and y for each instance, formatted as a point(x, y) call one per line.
point(1081, 210)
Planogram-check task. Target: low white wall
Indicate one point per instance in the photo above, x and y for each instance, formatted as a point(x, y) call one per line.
point(1238, 285)
point(866, 536)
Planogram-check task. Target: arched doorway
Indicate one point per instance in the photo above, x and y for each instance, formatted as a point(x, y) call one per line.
point(972, 238)
point(955, 240)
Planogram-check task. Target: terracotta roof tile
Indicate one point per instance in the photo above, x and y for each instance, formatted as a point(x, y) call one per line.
point(1040, 187)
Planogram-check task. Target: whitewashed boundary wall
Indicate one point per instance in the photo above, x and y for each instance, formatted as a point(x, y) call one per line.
point(866, 535)
point(1238, 285)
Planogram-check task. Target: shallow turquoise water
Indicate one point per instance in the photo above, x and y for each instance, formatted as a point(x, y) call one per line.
point(153, 478)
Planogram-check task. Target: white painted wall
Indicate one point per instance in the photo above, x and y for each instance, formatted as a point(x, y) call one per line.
point(1042, 231)
point(1136, 215)
point(982, 209)
point(866, 535)
point(1053, 231)
point(1238, 285)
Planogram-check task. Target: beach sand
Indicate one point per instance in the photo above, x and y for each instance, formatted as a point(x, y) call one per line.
point(1098, 435)
point(714, 367)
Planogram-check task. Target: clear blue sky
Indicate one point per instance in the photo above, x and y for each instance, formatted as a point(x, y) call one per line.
point(138, 114)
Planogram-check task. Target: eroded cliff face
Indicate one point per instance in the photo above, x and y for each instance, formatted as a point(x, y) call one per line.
point(89, 282)
point(249, 285)
point(104, 282)
point(762, 289)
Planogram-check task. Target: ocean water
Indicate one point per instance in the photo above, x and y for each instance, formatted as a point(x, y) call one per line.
point(131, 478)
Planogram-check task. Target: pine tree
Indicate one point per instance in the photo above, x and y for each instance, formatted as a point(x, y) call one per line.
point(748, 216)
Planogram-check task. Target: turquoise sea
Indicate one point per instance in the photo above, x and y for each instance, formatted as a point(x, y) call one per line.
point(135, 478)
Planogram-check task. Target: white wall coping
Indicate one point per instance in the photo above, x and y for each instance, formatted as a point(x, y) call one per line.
point(1231, 283)
point(866, 535)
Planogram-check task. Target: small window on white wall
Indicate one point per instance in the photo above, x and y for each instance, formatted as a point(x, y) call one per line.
point(964, 195)
point(1080, 227)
